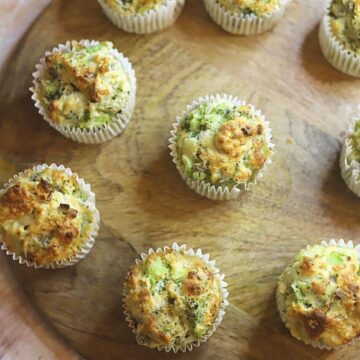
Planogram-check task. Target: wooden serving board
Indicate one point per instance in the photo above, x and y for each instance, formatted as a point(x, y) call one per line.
point(144, 203)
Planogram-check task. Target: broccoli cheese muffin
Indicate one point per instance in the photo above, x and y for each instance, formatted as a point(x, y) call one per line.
point(48, 217)
point(340, 35)
point(318, 295)
point(350, 158)
point(86, 90)
point(246, 17)
point(220, 146)
point(174, 299)
point(142, 16)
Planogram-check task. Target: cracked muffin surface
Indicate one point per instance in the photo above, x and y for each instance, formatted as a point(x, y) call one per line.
point(173, 298)
point(45, 216)
point(319, 295)
point(222, 143)
point(85, 87)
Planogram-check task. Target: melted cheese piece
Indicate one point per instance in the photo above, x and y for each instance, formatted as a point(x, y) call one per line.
point(133, 7)
point(320, 292)
point(257, 7)
point(44, 216)
point(173, 298)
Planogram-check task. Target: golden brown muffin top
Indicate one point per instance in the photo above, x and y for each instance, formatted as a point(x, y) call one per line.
point(173, 298)
point(320, 295)
point(45, 216)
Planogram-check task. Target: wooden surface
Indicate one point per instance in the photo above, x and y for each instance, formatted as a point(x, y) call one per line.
point(16, 16)
point(143, 201)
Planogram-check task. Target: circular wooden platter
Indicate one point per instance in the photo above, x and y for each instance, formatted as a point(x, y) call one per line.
point(144, 203)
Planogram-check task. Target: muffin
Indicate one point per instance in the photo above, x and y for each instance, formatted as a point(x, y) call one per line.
point(246, 17)
point(318, 295)
point(350, 158)
point(339, 35)
point(85, 90)
point(221, 146)
point(142, 16)
point(48, 217)
point(174, 298)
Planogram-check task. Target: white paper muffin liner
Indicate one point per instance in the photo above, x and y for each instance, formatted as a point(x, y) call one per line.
point(150, 22)
point(281, 303)
point(223, 286)
point(85, 248)
point(240, 24)
point(205, 188)
point(98, 134)
point(335, 53)
point(350, 171)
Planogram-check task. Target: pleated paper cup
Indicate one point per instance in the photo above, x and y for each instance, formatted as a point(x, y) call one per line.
point(204, 188)
point(95, 135)
point(243, 24)
point(335, 53)
point(280, 300)
point(223, 287)
point(350, 171)
point(83, 249)
point(151, 21)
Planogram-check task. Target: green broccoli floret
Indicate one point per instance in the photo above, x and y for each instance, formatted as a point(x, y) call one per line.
point(157, 270)
point(51, 89)
point(335, 258)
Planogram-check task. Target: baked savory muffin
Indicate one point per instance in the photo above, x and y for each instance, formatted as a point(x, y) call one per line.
point(222, 143)
point(246, 17)
point(318, 296)
point(173, 300)
point(142, 16)
point(340, 35)
point(350, 158)
point(87, 88)
point(47, 217)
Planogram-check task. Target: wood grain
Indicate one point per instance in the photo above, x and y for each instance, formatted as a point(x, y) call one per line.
point(143, 201)
point(16, 16)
